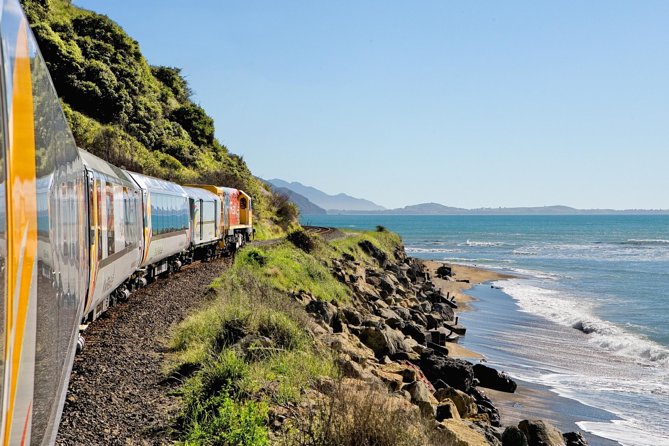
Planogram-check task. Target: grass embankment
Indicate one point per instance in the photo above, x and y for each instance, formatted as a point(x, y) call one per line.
point(253, 348)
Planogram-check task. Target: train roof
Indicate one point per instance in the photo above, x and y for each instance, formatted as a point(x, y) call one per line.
point(157, 185)
point(218, 189)
point(92, 162)
point(200, 194)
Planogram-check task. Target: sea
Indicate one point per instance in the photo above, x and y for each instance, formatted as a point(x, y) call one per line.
point(585, 321)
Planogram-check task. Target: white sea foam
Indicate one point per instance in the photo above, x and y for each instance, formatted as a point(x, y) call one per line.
point(475, 243)
point(633, 241)
point(417, 250)
point(631, 250)
point(577, 313)
point(626, 432)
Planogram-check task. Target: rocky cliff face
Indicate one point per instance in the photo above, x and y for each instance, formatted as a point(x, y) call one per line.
point(395, 333)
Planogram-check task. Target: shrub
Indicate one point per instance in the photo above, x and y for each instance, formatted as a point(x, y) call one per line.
point(301, 240)
point(285, 210)
point(225, 421)
point(351, 414)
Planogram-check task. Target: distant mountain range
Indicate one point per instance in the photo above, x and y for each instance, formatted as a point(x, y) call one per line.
point(306, 207)
point(339, 202)
point(440, 209)
point(313, 201)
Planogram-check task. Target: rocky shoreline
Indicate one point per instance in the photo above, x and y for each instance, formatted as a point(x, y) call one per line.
point(400, 331)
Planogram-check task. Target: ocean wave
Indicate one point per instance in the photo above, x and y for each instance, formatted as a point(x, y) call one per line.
point(417, 250)
point(577, 313)
point(626, 432)
point(648, 242)
point(608, 252)
point(474, 243)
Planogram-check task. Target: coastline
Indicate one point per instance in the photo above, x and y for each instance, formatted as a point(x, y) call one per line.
point(530, 400)
point(473, 276)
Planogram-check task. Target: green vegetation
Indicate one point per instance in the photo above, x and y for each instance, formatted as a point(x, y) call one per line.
point(287, 269)
point(132, 114)
point(252, 348)
point(385, 240)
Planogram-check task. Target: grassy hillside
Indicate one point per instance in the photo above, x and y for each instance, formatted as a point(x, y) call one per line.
point(253, 357)
point(133, 114)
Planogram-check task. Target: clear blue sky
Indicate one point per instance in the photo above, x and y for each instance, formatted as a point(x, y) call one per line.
point(483, 103)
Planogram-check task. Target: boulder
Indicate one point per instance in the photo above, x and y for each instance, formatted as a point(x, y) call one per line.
point(541, 433)
point(369, 248)
point(446, 410)
point(434, 320)
point(421, 397)
point(457, 433)
point(445, 311)
point(492, 434)
point(351, 369)
point(322, 310)
point(465, 404)
point(394, 381)
point(350, 346)
point(492, 379)
point(415, 331)
point(454, 372)
point(485, 405)
point(444, 271)
point(513, 436)
point(402, 312)
point(352, 316)
point(383, 341)
point(574, 439)
point(408, 373)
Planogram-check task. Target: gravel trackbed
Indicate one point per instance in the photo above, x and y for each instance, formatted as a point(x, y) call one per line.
point(118, 394)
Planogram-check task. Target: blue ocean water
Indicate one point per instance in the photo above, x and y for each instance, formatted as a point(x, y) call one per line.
point(591, 303)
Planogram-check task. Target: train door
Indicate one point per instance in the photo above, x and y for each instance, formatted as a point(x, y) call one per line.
point(201, 221)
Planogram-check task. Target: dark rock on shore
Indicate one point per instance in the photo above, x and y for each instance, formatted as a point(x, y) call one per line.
point(492, 379)
point(485, 405)
point(574, 439)
point(513, 436)
point(455, 372)
point(541, 433)
point(444, 271)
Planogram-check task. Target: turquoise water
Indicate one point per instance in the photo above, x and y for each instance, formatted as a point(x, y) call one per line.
point(605, 275)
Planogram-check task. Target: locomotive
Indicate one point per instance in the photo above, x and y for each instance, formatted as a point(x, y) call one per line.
point(77, 234)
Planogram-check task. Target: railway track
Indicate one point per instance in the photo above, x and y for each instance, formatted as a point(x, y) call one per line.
point(117, 393)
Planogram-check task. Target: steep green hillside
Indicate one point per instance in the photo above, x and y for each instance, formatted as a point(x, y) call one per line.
point(133, 114)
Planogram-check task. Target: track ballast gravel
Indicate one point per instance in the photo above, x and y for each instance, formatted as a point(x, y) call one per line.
point(118, 393)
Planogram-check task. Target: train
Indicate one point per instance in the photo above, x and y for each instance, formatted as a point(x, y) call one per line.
point(77, 235)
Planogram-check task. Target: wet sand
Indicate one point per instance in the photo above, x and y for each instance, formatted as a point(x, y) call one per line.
point(530, 401)
point(472, 274)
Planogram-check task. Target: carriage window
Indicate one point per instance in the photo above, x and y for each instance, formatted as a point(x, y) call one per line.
point(98, 193)
point(169, 213)
point(242, 203)
point(109, 195)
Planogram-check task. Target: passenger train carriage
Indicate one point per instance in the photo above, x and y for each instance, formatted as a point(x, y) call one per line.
point(166, 224)
point(76, 235)
point(115, 240)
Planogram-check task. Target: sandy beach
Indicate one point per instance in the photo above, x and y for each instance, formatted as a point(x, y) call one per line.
point(473, 276)
point(529, 400)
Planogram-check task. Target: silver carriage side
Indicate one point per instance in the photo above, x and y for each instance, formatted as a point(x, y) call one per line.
point(166, 225)
point(43, 239)
point(115, 239)
point(205, 217)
